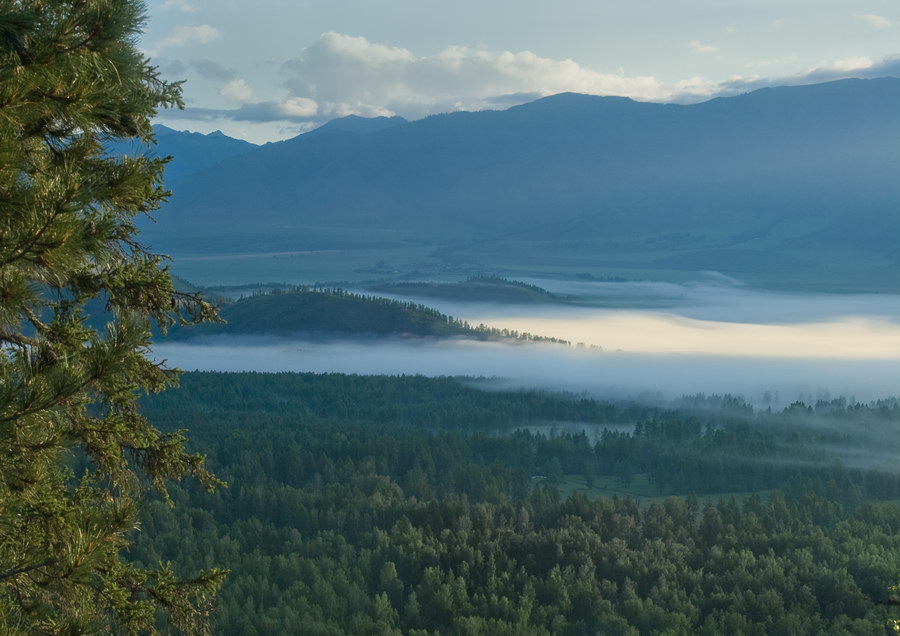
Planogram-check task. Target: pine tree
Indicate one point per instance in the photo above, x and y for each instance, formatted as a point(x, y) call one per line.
point(71, 81)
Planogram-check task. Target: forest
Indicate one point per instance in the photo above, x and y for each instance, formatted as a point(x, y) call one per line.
point(379, 505)
point(328, 504)
point(330, 311)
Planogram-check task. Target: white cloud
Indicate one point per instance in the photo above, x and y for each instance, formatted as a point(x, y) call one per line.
point(340, 75)
point(699, 47)
point(182, 35)
point(237, 91)
point(350, 75)
point(299, 107)
point(774, 61)
point(875, 20)
point(179, 5)
point(845, 66)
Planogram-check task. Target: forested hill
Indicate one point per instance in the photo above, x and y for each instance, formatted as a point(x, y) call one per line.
point(335, 311)
point(474, 289)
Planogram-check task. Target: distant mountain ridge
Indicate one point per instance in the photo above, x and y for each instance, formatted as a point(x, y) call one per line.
point(358, 125)
point(191, 152)
point(769, 181)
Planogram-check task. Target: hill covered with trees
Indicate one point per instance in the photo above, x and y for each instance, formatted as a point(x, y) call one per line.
point(336, 311)
point(484, 288)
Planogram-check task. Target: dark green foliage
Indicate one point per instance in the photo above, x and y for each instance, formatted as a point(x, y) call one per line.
point(706, 445)
point(407, 401)
point(335, 311)
point(366, 519)
point(72, 79)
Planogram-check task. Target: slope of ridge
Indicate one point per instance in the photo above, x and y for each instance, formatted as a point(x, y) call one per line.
point(191, 152)
point(770, 179)
point(335, 311)
point(358, 125)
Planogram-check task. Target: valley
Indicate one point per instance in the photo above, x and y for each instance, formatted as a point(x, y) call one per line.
point(438, 319)
point(564, 187)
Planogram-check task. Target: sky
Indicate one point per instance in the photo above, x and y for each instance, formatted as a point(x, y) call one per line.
point(266, 70)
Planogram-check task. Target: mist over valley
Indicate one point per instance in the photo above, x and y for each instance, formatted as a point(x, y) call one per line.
point(701, 338)
point(449, 318)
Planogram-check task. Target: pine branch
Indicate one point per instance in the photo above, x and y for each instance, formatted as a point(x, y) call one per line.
point(17, 339)
point(28, 568)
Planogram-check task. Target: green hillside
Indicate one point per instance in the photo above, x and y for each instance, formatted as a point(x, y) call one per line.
point(474, 289)
point(337, 311)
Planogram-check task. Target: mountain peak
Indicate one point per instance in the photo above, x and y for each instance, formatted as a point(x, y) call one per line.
point(358, 125)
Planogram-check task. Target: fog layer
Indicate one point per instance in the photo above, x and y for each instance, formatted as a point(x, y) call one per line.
point(761, 379)
point(659, 338)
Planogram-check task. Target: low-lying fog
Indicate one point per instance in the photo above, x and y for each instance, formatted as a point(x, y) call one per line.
point(683, 339)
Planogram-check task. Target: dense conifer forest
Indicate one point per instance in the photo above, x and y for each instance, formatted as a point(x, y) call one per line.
point(480, 288)
point(362, 504)
point(331, 311)
point(343, 504)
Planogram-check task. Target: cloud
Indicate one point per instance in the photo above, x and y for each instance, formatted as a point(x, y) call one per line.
point(182, 35)
point(210, 69)
point(299, 107)
point(828, 71)
point(698, 47)
point(774, 61)
point(846, 65)
point(357, 76)
point(878, 21)
point(297, 110)
point(339, 75)
point(171, 67)
point(179, 5)
point(237, 91)
point(293, 110)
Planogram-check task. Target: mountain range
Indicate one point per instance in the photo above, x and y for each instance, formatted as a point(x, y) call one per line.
point(792, 184)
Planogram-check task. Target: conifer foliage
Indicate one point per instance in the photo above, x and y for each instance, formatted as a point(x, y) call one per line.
point(74, 450)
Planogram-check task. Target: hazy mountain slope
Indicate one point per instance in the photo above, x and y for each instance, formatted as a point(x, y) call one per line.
point(779, 171)
point(191, 152)
point(358, 125)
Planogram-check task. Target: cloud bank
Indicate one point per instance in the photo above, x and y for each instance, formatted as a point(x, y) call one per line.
point(182, 35)
point(605, 374)
point(341, 75)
